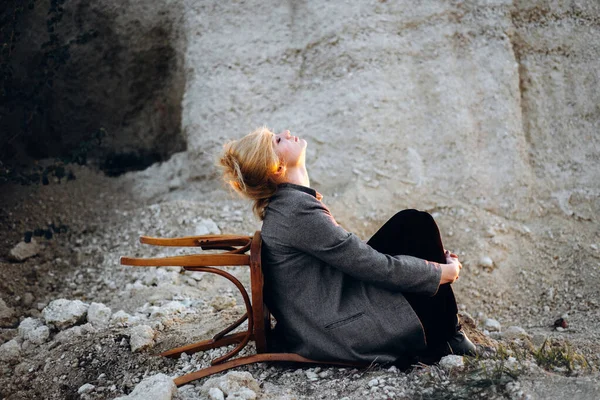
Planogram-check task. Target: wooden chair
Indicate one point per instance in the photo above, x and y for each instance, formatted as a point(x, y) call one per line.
point(257, 314)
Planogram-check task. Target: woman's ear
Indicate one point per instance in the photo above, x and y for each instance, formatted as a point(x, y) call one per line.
point(279, 173)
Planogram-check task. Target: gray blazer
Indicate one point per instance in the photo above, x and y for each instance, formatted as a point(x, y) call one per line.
point(334, 296)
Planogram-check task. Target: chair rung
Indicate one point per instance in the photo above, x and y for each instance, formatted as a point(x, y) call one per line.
point(193, 260)
point(182, 380)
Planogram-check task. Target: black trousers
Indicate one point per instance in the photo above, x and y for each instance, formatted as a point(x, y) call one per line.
point(415, 233)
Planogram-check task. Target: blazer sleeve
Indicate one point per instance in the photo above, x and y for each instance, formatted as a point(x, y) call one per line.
point(317, 233)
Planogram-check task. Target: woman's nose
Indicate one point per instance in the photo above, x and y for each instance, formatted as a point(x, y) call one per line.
point(286, 133)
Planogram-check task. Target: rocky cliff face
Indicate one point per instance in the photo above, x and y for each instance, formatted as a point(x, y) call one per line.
point(557, 47)
point(79, 68)
point(464, 100)
point(491, 103)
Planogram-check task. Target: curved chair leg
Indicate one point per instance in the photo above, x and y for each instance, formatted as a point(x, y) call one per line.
point(182, 380)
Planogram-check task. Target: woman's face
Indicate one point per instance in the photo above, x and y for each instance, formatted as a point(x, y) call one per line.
point(290, 149)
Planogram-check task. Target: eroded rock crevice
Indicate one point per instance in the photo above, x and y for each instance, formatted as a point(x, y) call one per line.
point(93, 83)
point(555, 48)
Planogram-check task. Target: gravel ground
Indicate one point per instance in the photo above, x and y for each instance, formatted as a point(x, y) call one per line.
point(524, 273)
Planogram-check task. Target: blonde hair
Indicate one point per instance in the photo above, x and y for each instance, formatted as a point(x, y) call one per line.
point(248, 166)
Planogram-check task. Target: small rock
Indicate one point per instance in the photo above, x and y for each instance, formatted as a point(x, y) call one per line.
point(10, 351)
point(121, 318)
point(234, 385)
point(373, 382)
point(22, 251)
point(451, 362)
point(6, 313)
point(323, 374)
point(491, 325)
point(156, 387)
point(215, 394)
point(141, 338)
point(63, 313)
point(466, 319)
point(495, 335)
point(28, 299)
point(242, 394)
point(514, 332)
point(27, 325)
point(221, 302)
point(490, 232)
point(196, 275)
point(39, 335)
point(486, 262)
point(511, 362)
point(68, 334)
point(98, 314)
point(168, 310)
point(88, 387)
point(311, 375)
point(207, 227)
point(33, 330)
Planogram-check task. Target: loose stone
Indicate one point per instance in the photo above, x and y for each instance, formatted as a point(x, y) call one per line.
point(491, 325)
point(234, 385)
point(22, 251)
point(87, 388)
point(10, 351)
point(312, 375)
point(215, 394)
point(98, 314)
point(452, 362)
point(141, 338)
point(6, 313)
point(156, 387)
point(63, 313)
point(486, 262)
point(514, 332)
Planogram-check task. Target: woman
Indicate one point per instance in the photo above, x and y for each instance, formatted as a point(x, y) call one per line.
point(334, 296)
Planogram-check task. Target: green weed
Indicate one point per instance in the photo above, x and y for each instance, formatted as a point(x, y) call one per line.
point(560, 357)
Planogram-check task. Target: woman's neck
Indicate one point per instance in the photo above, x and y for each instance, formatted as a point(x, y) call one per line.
point(296, 175)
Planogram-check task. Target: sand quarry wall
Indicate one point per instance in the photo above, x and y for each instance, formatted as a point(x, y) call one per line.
point(495, 104)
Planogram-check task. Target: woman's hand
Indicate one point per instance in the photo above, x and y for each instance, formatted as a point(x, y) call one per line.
point(451, 269)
